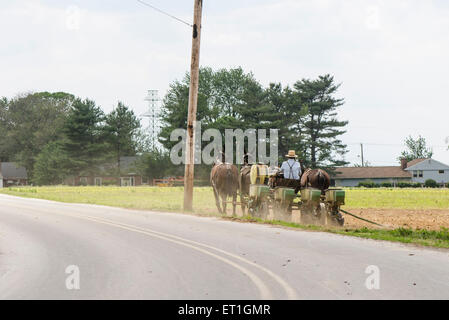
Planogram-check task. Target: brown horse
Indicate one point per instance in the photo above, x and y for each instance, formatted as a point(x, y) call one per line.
point(315, 178)
point(224, 179)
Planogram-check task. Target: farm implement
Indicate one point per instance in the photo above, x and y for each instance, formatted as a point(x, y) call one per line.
point(271, 196)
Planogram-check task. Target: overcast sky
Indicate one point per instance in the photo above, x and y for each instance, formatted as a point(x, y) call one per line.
point(391, 57)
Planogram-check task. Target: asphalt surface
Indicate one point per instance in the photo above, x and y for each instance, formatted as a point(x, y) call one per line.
point(128, 254)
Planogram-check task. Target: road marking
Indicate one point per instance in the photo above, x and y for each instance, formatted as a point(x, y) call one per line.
point(265, 293)
point(291, 293)
point(263, 289)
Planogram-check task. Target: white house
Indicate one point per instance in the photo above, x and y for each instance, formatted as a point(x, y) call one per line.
point(418, 171)
point(424, 169)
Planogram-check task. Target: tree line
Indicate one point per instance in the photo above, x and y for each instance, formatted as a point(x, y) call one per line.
point(58, 135)
point(306, 114)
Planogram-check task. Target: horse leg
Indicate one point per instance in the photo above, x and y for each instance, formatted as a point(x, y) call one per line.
point(217, 198)
point(243, 205)
point(224, 198)
point(234, 203)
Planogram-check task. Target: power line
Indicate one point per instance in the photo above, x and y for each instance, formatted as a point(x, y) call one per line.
point(391, 145)
point(163, 12)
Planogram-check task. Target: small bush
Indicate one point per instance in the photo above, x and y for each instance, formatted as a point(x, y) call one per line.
point(405, 185)
point(386, 185)
point(107, 183)
point(430, 183)
point(368, 184)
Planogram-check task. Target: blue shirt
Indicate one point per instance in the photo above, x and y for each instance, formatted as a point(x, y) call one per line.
point(291, 169)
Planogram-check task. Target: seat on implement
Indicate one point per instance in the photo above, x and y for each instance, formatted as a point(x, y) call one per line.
point(280, 181)
point(259, 174)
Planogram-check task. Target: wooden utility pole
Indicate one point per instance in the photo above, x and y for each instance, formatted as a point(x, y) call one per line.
point(361, 150)
point(193, 100)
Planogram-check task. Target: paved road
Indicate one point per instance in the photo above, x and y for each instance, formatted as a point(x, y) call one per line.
point(127, 254)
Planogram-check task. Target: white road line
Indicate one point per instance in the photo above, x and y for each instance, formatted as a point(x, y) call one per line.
point(265, 293)
point(290, 292)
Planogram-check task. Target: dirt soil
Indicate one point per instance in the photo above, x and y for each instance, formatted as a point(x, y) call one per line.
point(430, 219)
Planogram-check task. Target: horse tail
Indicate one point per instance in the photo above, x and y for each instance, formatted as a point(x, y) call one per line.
point(321, 180)
point(229, 179)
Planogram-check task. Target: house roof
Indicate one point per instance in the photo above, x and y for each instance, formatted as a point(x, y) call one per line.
point(9, 170)
point(370, 172)
point(427, 165)
point(416, 161)
point(127, 167)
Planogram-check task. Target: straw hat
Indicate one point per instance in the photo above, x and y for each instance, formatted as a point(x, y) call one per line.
point(291, 154)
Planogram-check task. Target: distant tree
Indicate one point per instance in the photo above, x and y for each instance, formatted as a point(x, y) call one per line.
point(365, 164)
point(227, 99)
point(156, 164)
point(29, 122)
point(416, 149)
point(288, 117)
point(121, 128)
point(50, 167)
point(84, 137)
point(319, 127)
point(305, 115)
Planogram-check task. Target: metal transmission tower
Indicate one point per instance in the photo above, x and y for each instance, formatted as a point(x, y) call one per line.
point(153, 114)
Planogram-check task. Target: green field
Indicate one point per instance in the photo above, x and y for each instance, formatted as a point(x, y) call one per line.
point(389, 198)
point(171, 199)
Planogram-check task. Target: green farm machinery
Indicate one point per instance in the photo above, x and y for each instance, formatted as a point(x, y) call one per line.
point(273, 197)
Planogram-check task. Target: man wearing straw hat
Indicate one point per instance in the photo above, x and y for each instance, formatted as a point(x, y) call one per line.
point(291, 168)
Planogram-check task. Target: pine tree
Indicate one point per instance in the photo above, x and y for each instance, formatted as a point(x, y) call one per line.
point(85, 140)
point(320, 128)
point(121, 127)
point(50, 167)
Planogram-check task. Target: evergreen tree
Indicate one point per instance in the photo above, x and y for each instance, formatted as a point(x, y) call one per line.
point(305, 115)
point(50, 167)
point(85, 139)
point(319, 127)
point(121, 127)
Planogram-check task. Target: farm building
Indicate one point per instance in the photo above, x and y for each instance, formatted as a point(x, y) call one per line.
point(12, 175)
point(107, 176)
point(424, 169)
point(418, 170)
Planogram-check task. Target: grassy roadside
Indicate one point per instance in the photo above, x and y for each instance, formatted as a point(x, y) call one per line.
point(436, 239)
point(170, 199)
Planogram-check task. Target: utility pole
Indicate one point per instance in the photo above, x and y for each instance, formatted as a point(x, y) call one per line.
point(193, 100)
point(361, 153)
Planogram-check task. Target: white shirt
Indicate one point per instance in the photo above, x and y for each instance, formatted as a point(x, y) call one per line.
point(291, 169)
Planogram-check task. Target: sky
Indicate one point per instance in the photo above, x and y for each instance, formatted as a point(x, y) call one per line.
point(390, 57)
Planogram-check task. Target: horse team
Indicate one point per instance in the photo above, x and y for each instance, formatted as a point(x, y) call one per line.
point(227, 181)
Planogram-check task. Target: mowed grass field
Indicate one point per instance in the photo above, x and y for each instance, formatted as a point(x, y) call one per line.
point(171, 199)
point(417, 216)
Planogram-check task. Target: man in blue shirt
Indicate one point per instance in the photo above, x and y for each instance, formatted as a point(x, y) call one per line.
point(291, 168)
